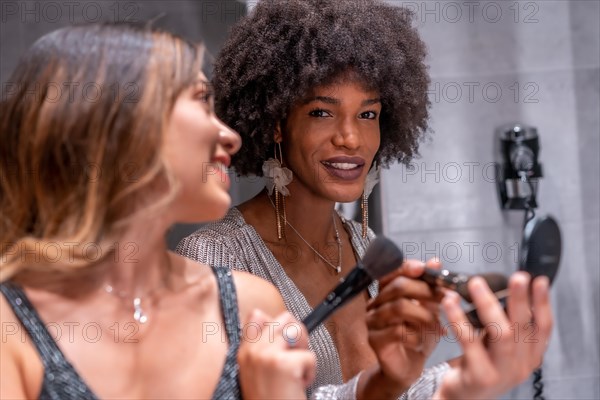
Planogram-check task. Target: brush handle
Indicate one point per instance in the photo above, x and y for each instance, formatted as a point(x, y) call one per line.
point(472, 315)
point(444, 278)
point(357, 280)
point(458, 281)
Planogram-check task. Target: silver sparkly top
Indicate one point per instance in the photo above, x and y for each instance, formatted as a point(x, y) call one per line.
point(62, 382)
point(233, 243)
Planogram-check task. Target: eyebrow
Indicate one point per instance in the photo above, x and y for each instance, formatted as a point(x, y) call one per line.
point(206, 85)
point(337, 102)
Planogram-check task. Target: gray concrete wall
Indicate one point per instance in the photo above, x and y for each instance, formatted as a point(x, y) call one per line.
point(494, 62)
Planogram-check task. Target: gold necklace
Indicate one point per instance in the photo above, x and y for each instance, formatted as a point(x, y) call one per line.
point(338, 267)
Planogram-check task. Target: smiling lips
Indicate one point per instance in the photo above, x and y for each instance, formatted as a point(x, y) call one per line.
point(345, 168)
point(220, 165)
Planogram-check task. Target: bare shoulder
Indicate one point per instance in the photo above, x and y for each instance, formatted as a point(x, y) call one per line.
point(12, 334)
point(188, 267)
point(16, 347)
point(254, 292)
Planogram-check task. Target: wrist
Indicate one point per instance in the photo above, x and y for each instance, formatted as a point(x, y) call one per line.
point(374, 384)
point(441, 394)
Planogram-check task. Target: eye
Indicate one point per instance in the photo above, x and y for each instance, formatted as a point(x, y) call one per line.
point(206, 100)
point(205, 96)
point(203, 92)
point(319, 113)
point(368, 115)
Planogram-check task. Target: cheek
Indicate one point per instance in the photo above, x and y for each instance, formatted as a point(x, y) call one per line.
point(375, 141)
point(301, 154)
point(197, 142)
point(189, 158)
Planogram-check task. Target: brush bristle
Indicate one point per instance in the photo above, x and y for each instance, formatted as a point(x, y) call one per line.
point(382, 257)
point(495, 281)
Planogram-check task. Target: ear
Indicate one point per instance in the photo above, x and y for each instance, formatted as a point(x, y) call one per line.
point(277, 136)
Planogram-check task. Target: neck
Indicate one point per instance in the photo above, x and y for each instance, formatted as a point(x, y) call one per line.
point(310, 215)
point(141, 263)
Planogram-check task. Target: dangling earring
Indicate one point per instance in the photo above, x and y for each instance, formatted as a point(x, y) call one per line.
point(279, 211)
point(278, 178)
point(371, 180)
point(364, 206)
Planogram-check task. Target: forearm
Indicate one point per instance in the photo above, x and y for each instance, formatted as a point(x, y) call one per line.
point(428, 383)
point(373, 384)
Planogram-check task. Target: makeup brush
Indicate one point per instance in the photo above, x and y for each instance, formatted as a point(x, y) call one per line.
point(381, 258)
point(458, 281)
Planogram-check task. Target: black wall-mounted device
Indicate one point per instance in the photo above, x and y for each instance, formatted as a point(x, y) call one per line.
point(517, 166)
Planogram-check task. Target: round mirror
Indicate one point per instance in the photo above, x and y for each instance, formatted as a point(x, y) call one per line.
point(541, 248)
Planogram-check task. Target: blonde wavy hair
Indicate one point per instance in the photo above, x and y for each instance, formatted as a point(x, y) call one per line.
point(81, 131)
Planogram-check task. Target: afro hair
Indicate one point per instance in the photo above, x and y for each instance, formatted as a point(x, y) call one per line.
point(285, 48)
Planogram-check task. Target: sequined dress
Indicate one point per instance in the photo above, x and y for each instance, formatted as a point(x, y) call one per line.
point(62, 382)
point(233, 243)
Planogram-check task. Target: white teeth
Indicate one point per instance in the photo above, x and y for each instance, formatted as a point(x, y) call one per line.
point(222, 167)
point(341, 165)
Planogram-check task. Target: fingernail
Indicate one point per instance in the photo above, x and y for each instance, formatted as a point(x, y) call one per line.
point(520, 281)
point(523, 278)
point(416, 267)
point(543, 285)
point(477, 285)
point(545, 281)
point(450, 297)
point(291, 342)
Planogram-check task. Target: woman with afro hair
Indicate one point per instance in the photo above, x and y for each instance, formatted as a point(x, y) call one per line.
point(322, 93)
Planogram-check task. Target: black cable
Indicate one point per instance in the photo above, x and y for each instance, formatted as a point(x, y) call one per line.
point(533, 194)
point(529, 204)
point(538, 385)
point(529, 215)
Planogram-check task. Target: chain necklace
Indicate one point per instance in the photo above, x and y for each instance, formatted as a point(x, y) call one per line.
point(138, 312)
point(338, 267)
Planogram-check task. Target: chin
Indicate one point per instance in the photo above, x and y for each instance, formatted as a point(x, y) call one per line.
point(340, 197)
point(207, 209)
point(218, 209)
point(345, 194)
point(208, 215)
point(219, 215)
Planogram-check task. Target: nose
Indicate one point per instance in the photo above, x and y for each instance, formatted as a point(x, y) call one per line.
point(228, 138)
point(347, 135)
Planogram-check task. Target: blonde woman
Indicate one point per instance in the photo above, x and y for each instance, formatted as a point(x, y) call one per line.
point(108, 137)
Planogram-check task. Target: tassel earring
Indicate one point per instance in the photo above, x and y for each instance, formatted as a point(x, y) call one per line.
point(370, 182)
point(278, 178)
point(279, 212)
point(364, 205)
